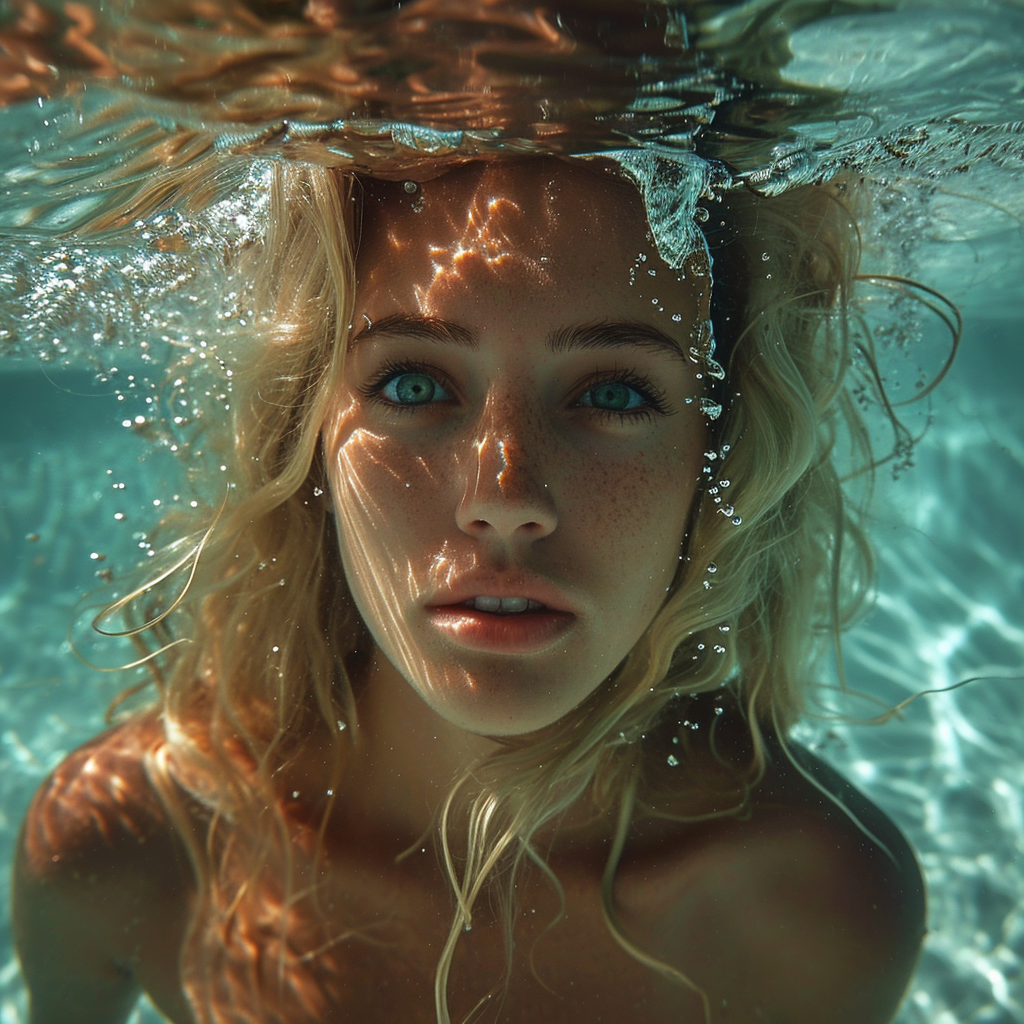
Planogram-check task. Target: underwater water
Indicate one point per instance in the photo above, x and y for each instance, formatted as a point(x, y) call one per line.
point(81, 484)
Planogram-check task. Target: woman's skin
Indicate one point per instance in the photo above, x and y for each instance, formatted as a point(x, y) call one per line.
point(517, 418)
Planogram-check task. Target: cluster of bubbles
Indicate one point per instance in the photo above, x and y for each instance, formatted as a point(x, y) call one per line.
point(717, 486)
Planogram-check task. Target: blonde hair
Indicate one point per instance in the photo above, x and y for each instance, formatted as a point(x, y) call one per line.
point(273, 633)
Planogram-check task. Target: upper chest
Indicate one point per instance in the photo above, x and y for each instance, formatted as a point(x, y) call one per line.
point(367, 945)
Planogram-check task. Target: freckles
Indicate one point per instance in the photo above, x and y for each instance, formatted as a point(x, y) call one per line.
point(619, 496)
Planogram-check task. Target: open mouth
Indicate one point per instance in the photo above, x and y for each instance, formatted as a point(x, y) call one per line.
point(504, 605)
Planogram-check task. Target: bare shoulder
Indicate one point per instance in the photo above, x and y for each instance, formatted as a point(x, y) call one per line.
point(96, 807)
point(101, 881)
point(800, 912)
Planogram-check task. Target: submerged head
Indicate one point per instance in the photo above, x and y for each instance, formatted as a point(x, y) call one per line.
point(517, 417)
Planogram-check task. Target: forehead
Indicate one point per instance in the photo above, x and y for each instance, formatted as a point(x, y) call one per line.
point(539, 210)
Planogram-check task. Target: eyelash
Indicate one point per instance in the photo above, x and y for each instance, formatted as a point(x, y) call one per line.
point(642, 385)
point(372, 389)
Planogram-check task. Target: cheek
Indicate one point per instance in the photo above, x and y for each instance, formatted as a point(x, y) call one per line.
point(385, 494)
point(640, 504)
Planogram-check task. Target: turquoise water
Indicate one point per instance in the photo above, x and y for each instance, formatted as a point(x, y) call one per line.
point(79, 487)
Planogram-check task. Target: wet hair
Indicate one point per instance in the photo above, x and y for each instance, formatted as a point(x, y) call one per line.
point(775, 566)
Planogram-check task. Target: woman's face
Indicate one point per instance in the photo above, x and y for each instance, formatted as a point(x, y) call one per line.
point(516, 440)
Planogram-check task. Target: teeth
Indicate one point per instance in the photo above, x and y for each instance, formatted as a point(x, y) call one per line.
point(503, 605)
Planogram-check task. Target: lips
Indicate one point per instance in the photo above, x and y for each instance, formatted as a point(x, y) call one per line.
point(508, 615)
point(527, 632)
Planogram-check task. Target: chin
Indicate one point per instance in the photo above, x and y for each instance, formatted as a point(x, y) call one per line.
point(500, 715)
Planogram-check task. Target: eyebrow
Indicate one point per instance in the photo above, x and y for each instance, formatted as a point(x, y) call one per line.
point(604, 334)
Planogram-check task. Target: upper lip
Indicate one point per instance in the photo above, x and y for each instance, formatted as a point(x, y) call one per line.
point(533, 588)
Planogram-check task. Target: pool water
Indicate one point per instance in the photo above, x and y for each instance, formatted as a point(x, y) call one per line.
point(79, 486)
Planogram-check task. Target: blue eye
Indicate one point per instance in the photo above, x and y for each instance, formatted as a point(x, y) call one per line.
point(413, 389)
point(613, 396)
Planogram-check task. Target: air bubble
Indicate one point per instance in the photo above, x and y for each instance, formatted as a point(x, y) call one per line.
point(710, 408)
point(765, 256)
point(719, 649)
point(712, 568)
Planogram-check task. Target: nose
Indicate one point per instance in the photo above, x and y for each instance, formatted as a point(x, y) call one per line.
point(505, 496)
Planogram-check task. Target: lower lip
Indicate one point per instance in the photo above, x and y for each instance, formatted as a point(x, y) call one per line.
point(525, 633)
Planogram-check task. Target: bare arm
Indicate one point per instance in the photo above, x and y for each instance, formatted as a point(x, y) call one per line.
point(62, 938)
point(101, 888)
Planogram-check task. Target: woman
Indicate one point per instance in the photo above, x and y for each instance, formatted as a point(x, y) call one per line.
point(502, 627)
